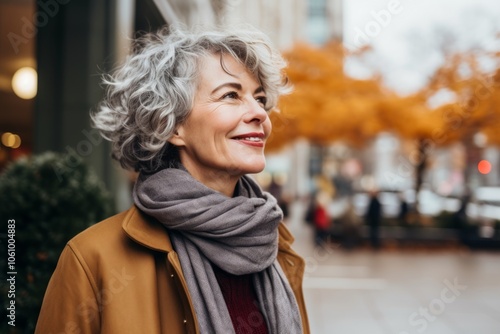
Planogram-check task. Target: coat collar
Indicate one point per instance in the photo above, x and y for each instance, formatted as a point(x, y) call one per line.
point(148, 232)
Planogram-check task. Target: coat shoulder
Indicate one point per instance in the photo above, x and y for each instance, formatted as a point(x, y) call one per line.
point(103, 235)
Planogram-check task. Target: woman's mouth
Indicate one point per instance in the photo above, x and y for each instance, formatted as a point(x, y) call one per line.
point(251, 139)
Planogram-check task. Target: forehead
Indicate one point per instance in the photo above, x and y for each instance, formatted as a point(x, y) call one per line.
point(217, 67)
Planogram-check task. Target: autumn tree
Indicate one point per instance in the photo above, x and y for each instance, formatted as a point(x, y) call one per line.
point(411, 118)
point(476, 107)
point(328, 105)
point(473, 107)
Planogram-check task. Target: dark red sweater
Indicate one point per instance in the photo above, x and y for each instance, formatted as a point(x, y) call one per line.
point(241, 301)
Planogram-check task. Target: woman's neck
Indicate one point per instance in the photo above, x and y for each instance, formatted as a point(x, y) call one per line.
point(222, 182)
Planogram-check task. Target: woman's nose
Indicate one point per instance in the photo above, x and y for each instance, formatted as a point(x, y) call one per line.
point(255, 112)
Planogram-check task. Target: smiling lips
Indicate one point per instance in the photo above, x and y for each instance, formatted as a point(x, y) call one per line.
point(251, 139)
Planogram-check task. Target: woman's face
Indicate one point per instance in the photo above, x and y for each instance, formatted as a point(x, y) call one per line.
point(224, 135)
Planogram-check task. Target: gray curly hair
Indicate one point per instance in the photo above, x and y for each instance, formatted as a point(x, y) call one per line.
point(153, 91)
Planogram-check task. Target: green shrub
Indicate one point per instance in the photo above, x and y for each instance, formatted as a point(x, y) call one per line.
point(51, 197)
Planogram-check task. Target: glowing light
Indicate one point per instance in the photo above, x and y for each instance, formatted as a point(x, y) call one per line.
point(11, 140)
point(484, 167)
point(24, 83)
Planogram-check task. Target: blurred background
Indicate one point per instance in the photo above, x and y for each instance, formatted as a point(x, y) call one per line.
point(385, 159)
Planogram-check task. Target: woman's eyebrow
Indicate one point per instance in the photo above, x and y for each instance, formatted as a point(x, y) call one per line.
point(259, 89)
point(234, 85)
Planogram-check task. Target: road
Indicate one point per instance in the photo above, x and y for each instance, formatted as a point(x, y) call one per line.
point(398, 291)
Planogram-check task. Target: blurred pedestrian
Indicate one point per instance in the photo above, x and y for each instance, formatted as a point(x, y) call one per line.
point(321, 219)
point(460, 217)
point(350, 229)
point(203, 249)
point(373, 217)
point(404, 211)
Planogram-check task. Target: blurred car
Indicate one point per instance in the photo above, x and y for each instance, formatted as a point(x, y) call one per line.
point(430, 203)
point(485, 203)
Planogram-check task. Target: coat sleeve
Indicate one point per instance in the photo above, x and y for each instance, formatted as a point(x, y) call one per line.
point(70, 304)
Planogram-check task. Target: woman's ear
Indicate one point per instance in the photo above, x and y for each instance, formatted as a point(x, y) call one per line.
point(177, 139)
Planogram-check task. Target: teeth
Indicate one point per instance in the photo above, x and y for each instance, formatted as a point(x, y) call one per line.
point(250, 138)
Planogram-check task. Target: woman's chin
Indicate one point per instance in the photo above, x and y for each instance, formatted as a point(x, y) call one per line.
point(255, 167)
point(248, 165)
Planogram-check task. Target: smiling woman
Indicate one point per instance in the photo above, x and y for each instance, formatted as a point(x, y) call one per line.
point(203, 250)
point(223, 138)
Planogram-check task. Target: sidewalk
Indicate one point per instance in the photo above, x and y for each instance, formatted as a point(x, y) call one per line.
point(397, 292)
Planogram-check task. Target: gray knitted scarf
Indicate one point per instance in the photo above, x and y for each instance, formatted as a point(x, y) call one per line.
point(238, 234)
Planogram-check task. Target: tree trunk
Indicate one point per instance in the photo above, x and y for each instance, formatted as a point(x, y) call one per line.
point(420, 167)
point(472, 158)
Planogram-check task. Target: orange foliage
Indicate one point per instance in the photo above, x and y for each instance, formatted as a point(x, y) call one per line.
point(326, 104)
point(410, 117)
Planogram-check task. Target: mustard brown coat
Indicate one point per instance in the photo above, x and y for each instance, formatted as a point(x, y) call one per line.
point(123, 276)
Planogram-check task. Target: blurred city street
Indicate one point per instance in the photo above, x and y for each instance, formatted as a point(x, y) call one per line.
point(384, 152)
point(397, 291)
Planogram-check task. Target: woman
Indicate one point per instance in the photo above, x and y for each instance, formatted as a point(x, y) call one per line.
point(203, 249)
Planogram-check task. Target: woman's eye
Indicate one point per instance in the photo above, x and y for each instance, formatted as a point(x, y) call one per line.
point(262, 100)
point(230, 95)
